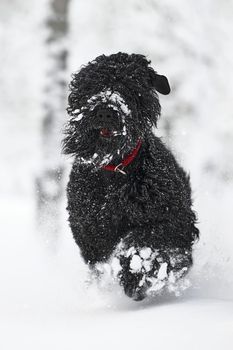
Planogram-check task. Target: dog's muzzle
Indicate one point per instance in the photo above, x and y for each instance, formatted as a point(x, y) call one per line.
point(107, 122)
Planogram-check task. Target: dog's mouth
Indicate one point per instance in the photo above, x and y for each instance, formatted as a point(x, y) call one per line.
point(108, 133)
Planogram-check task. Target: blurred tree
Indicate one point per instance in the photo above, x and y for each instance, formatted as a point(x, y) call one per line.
point(49, 182)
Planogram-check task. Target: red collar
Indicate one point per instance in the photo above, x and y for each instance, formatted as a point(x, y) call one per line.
point(126, 161)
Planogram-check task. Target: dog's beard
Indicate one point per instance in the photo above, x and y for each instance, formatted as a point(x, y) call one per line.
point(101, 150)
point(99, 143)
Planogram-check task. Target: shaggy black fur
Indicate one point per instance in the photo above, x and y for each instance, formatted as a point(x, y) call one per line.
point(142, 218)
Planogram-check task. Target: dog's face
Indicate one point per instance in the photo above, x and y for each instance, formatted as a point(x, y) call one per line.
point(113, 103)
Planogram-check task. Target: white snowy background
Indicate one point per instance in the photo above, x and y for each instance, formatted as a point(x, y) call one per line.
point(44, 300)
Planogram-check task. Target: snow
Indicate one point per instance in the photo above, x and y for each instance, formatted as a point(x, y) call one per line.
point(145, 253)
point(129, 252)
point(113, 98)
point(45, 304)
point(47, 299)
point(88, 160)
point(106, 159)
point(147, 265)
point(79, 117)
point(135, 263)
point(162, 273)
point(116, 266)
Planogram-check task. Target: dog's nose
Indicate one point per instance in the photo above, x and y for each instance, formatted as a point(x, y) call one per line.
point(105, 115)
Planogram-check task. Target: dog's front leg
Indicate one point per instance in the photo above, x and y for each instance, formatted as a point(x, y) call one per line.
point(142, 270)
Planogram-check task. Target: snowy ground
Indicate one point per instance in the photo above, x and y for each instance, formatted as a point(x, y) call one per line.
point(46, 304)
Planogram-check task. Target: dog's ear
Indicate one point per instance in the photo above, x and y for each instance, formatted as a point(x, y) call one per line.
point(161, 84)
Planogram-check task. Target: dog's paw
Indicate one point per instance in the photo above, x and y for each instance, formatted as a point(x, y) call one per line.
point(146, 271)
point(130, 267)
point(173, 266)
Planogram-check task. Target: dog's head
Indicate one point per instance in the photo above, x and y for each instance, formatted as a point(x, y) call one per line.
point(112, 104)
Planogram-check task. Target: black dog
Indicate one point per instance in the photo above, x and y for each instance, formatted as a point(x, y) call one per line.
point(129, 201)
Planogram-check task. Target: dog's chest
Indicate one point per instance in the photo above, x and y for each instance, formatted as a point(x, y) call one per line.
point(96, 197)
